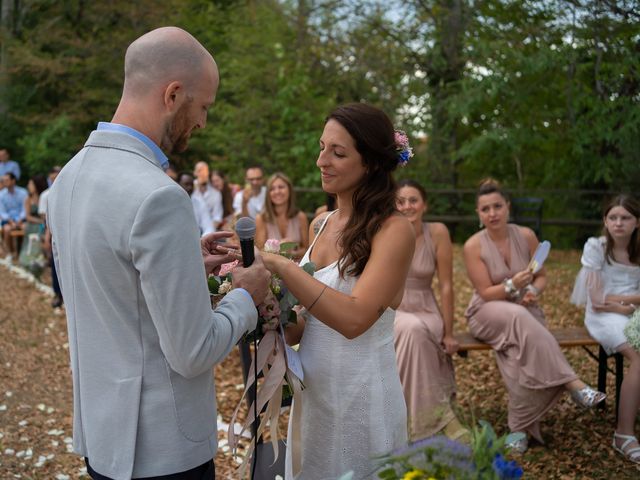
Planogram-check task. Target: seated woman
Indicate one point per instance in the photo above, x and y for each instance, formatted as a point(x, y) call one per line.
point(423, 332)
point(280, 218)
point(609, 284)
point(34, 225)
point(35, 186)
point(504, 313)
point(220, 183)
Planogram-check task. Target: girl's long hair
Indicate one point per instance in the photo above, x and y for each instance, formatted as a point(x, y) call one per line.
point(374, 199)
point(227, 196)
point(632, 206)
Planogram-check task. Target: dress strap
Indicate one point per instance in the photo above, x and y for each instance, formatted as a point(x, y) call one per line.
point(320, 231)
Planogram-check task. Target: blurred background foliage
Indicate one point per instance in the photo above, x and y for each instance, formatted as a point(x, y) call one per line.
point(543, 95)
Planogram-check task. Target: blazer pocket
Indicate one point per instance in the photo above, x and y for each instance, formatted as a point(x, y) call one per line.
point(111, 424)
point(195, 405)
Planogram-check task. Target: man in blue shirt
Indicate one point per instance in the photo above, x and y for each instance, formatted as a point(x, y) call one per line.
point(12, 212)
point(143, 338)
point(8, 165)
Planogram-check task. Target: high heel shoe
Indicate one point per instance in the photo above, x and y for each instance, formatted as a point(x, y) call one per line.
point(517, 442)
point(631, 454)
point(587, 397)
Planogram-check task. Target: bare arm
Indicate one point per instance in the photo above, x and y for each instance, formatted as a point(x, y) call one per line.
point(27, 209)
point(293, 333)
point(479, 275)
point(304, 231)
point(624, 299)
point(304, 236)
point(539, 281)
point(261, 232)
point(444, 265)
point(377, 288)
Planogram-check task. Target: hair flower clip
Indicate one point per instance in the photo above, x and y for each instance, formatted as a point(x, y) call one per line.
point(405, 152)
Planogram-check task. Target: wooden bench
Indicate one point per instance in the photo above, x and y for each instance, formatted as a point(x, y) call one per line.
point(566, 337)
point(17, 237)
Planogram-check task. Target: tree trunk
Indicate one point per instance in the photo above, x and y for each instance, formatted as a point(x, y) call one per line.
point(6, 8)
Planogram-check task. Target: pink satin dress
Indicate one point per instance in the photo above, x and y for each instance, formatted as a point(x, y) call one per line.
point(532, 366)
point(426, 371)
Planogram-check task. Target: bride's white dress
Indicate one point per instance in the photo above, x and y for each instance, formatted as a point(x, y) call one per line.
point(353, 406)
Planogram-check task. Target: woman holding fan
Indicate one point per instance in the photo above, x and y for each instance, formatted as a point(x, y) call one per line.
point(504, 313)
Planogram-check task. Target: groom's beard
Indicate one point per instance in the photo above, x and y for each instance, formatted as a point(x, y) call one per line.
point(178, 131)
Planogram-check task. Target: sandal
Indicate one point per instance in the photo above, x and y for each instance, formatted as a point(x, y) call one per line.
point(587, 397)
point(517, 442)
point(631, 454)
point(455, 431)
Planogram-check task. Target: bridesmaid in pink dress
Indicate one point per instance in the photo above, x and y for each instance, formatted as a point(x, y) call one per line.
point(281, 219)
point(504, 313)
point(423, 332)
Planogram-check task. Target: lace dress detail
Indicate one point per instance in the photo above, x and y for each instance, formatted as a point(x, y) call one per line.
point(599, 278)
point(353, 406)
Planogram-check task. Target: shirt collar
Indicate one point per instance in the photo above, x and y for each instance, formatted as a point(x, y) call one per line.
point(116, 127)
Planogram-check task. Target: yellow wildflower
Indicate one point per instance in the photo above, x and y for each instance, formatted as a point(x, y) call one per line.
point(413, 475)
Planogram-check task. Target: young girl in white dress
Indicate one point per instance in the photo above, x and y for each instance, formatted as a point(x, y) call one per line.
point(609, 284)
point(353, 408)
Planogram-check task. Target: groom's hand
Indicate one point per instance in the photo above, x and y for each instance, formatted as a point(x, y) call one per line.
point(254, 279)
point(215, 253)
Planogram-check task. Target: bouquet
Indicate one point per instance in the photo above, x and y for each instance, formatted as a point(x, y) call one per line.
point(441, 458)
point(632, 330)
point(275, 360)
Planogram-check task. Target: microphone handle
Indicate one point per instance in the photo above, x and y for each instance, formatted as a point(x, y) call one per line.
point(246, 247)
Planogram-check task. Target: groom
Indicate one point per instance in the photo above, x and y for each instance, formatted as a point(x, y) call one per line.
point(142, 336)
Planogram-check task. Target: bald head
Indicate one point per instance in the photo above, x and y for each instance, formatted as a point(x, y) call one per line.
point(161, 56)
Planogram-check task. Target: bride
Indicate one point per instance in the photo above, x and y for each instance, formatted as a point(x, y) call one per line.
point(353, 406)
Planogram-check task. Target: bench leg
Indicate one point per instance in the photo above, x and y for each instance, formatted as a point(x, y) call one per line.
point(602, 374)
point(619, 377)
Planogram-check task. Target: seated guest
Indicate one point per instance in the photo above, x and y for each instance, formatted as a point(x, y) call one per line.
point(35, 187)
point(281, 219)
point(203, 219)
point(7, 165)
point(504, 313)
point(220, 183)
point(44, 196)
point(171, 172)
point(609, 284)
point(211, 197)
point(57, 300)
point(31, 250)
point(12, 213)
point(423, 331)
point(250, 201)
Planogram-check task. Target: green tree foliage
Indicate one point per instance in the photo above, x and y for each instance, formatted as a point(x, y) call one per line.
point(538, 93)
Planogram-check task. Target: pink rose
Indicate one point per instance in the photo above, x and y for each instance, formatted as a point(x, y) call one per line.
point(272, 246)
point(225, 268)
point(270, 308)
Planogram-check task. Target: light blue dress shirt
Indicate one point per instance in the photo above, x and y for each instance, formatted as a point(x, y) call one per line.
point(116, 127)
point(10, 166)
point(12, 204)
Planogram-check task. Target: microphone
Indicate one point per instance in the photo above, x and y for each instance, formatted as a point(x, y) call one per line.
point(246, 230)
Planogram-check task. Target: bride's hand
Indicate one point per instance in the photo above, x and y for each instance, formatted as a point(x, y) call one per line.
point(272, 261)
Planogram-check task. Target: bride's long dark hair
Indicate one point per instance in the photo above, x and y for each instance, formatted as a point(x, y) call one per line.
point(374, 199)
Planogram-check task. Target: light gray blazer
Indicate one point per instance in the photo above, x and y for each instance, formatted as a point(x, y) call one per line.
point(142, 335)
